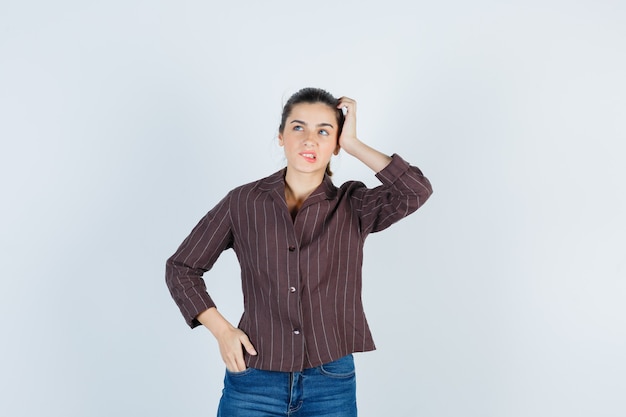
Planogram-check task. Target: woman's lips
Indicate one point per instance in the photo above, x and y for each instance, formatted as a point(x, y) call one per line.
point(309, 156)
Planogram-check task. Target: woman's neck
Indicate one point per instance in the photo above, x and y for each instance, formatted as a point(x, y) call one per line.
point(303, 184)
point(298, 187)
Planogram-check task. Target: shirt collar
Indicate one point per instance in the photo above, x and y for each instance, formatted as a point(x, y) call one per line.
point(276, 182)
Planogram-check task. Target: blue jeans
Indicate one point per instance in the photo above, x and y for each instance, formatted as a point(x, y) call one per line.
point(328, 390)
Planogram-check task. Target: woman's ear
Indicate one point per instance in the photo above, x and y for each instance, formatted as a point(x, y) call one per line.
point(336, 151)
point(280, 139)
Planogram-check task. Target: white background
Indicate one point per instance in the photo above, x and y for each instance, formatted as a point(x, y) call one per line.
point(123, 122)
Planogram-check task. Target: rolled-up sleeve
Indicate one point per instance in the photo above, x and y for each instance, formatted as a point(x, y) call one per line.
point(404, 189)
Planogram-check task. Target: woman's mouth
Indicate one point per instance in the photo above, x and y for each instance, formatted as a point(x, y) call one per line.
point(309, 156)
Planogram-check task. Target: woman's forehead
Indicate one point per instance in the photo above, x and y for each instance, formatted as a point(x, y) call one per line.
point(313, 112)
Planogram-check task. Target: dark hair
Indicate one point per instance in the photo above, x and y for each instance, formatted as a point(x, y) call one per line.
point(312, 95)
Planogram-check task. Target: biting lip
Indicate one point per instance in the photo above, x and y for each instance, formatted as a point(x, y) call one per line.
point(310, 156)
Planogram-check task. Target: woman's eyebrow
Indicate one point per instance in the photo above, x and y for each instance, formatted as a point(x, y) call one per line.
point(318, 125)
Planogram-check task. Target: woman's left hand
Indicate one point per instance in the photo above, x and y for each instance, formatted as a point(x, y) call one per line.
point(374, 159)
point(348, 139)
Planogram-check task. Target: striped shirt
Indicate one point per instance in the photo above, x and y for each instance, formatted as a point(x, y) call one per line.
point(301, 278)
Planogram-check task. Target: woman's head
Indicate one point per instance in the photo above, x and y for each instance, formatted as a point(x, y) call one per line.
point(311, 95)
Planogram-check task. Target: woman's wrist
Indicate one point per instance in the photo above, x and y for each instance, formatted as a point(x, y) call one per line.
point(214, 321)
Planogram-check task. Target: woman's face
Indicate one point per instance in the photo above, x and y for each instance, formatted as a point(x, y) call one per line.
point(310, 137)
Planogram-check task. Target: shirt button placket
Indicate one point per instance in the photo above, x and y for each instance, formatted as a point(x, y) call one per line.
point(293, 290)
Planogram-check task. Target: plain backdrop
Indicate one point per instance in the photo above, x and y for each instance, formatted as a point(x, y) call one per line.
point(123, 122)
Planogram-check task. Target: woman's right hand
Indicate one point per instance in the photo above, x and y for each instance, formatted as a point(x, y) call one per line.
point(230, 339)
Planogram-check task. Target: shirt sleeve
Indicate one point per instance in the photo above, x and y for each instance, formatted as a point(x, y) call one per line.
point(196, 255)
point(404, 189)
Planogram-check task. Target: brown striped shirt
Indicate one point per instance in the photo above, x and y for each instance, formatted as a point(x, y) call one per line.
point(301, 278)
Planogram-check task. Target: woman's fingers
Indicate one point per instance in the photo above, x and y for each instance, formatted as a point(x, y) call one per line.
point(348, 104)
point(248, 345)
point(232, 350)
point(348, 134)
point(239, 360)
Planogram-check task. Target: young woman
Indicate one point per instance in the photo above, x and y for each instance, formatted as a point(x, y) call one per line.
point(299, 241)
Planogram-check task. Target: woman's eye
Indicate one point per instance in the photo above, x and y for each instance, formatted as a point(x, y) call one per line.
point(298, 128)
point(324, 132)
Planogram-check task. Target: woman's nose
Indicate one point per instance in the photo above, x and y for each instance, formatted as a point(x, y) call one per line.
point(310, 139)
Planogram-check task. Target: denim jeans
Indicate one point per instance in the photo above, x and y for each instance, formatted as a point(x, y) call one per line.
point(328, 390)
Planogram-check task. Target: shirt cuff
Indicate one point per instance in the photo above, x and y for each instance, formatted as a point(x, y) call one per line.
point(194, 306)
point(394, 170)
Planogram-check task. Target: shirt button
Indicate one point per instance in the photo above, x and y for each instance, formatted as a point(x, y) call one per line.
point(292, 289)
point(292, 248)
point(296, 332)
